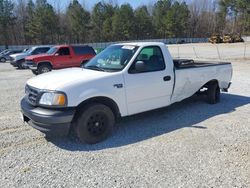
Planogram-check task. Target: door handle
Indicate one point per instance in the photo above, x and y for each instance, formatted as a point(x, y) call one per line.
point(167, 78)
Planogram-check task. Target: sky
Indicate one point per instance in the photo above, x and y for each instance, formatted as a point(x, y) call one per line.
point(90, 3)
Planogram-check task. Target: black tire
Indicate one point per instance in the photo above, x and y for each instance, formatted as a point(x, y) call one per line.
point(213, 93)
point(95, 123)
point(19, 67)
point(43, 68)
point(34, 72)
point(22, 64)
point(3, 60)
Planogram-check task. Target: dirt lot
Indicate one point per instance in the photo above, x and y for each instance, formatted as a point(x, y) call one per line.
point(232, 51)
point(189, 144)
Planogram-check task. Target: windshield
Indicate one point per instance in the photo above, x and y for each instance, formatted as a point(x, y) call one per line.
point(29, 51)
point(52, 50)
point(113, 58)
point(4, 52)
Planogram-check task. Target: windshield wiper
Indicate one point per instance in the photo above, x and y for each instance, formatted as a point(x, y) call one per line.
point(94, 67)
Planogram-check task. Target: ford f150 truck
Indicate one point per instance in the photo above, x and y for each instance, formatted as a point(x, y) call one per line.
point(59, 57)
point(122, 80)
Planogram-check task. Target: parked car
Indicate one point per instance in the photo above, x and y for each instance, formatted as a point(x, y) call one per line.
point(122, 80)
point(59, 57)
point(18, 60)
point(6, 55)
point(4, 51)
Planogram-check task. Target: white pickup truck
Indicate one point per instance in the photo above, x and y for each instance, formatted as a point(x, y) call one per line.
point(122, 80)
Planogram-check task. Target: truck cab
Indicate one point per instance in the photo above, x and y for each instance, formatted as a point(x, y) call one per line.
point(124, 79)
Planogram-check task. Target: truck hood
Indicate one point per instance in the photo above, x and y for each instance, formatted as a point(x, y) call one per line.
point(60, 78)
point(32, 57)
point(18, 56)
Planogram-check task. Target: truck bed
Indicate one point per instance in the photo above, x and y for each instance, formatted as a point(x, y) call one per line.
point(189, 63)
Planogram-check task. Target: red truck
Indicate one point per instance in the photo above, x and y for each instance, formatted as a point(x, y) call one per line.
point(58, 57)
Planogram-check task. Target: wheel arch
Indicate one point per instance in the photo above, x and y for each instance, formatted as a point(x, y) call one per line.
point(44, 62)
point(102, 100)
point(210, 82)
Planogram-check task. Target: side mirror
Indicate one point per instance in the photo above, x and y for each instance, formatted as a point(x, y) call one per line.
point(140, 66)
point(56, 54)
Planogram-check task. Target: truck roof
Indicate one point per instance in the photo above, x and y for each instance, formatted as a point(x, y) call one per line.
point(67, 45)
point(143, 43)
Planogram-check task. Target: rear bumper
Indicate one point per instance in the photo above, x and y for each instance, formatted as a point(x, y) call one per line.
point(226, 89)
point(53, 122)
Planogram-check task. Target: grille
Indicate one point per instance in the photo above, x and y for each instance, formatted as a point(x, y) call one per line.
point(31, 95)
point(29, 62)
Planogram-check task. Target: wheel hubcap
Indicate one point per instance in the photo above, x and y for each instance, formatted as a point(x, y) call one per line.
point(45, 69)
point(96, 124)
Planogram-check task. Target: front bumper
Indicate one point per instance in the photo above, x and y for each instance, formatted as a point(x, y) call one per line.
point(17, 63)
point(13, 63)
point(30, 65)
point(53, 122)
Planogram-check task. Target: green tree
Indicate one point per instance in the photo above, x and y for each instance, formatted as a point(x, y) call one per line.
point(236, 13)
point(143, 28)
point(101, 21)
point(78, 19)
point(42, 26)
point(160, 10)
point(6, 20)
point(30, 10)
point(176, 20)
point(124, 23)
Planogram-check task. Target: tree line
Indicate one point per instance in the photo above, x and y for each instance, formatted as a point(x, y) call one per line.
point(38, 22)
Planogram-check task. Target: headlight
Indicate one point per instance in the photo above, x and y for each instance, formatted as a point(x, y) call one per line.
point(53, 99)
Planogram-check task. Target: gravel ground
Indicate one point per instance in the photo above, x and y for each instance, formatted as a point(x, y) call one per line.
point(189, 144)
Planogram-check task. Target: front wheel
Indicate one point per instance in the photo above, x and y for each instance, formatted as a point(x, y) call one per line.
point(3, 60)
point(95, 123)
point(43, 68)
point(213, 93)
point(34, 72)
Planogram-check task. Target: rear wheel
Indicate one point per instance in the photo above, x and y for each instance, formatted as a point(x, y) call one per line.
point(213, 93)
point(43, 68)
point(95, 123)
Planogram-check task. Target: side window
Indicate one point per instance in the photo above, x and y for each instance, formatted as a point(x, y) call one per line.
point(83, 50)
point(35, 52)
point(89, 50)
point(41, 50)
point(148, 60)
point(44, 50)
point(63, 51)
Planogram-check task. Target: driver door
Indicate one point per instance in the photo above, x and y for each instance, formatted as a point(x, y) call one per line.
point(63, 57)
point(148, 89)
